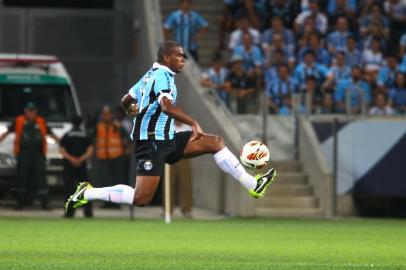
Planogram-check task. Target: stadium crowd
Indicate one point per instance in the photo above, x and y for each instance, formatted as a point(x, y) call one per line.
point(314, 56)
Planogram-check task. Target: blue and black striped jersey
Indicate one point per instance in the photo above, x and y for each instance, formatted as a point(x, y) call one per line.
point(151, 123)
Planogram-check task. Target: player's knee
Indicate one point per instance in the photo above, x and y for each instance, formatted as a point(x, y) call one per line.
point(142, 200)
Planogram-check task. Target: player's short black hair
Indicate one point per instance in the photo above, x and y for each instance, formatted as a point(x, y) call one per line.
point(166, 48)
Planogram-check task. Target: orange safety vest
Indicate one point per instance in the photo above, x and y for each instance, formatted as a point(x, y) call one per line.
point(108, 142)
point(19, 127)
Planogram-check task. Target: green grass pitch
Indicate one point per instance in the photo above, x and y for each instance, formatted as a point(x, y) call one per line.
point(189, 244)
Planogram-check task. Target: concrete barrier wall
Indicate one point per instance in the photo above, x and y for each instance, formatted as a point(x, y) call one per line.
point(314, 164)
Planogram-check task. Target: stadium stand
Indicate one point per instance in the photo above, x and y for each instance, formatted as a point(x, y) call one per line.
point(325, 28)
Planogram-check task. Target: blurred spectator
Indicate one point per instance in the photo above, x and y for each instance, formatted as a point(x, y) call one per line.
point(30, 147)
point(278, 28)
point(314, 11)
point(278, 45)
point(215, 77)
point(279, 86)
point(357, 89)
point(327, 105)
point(376, 32)
point(313, 95)
point(278, 59)
point(402, 44)
point(304, 4)
point(187, 27)
point(397, 93)
point(337, 40)
point(228, 19)
point(372, 59)
point(251, 55)
point(402, 52)
point(181, 180)
point(387, 74)
point(381, 106)
point(396, 10)
point(341, 8)
point(289, 105)
point(286, 105)
point(243, 27)
point(308, 29)
point(339, 71)
point(314, 44)
point(310, 68)
point(122, 119)
point(353, 55)
point(111, 145)
point(256, 10)
point(364, 6)
point(240, 86)
point(76, 148)
point(283, 9)
point(374, 17)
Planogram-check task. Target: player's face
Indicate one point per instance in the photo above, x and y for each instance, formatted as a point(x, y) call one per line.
point(176, 60)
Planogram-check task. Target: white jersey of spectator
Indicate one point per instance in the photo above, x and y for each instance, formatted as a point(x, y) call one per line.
point(372, 61)
point(387, 110)
point(236, 37)
point(321, 20)
point(396, 10)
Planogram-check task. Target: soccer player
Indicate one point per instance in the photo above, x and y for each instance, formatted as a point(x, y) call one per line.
point(153, 101)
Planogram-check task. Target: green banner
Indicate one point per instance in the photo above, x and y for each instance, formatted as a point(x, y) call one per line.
point(31, 79)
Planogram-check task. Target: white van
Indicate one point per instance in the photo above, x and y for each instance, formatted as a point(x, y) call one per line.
point(41, 79)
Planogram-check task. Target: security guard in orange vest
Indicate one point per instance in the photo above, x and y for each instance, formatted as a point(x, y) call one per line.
point(30, 147)
point(111, 145)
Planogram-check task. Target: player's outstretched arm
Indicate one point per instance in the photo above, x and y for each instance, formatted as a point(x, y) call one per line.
point(129, 104)
point(180, 115)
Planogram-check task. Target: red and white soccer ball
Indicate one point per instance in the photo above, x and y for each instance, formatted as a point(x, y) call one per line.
point(254, 155)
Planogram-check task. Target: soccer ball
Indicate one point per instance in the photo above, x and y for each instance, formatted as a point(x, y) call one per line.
point(254, 155)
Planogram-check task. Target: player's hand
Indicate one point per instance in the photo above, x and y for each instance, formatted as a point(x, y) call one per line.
point(197, 132)
point(132, 110)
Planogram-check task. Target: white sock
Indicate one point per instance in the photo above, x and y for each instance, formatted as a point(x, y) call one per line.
point(231, 165)
point(116, 194)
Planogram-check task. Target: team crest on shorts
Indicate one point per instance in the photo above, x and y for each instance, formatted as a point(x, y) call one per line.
point(148, 165)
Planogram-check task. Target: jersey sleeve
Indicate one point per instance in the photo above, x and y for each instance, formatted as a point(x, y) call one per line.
point(162, 86)
point(133, 90)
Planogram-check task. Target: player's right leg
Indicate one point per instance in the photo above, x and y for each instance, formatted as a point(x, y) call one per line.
point(230, 164)
point(141, 195)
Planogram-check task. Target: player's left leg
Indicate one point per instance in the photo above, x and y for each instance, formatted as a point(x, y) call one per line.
point(150, 160)
point(141, 195)
point(229, 163)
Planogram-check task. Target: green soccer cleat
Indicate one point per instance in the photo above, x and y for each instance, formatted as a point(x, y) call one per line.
point(263, 181)
point(77, 199)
